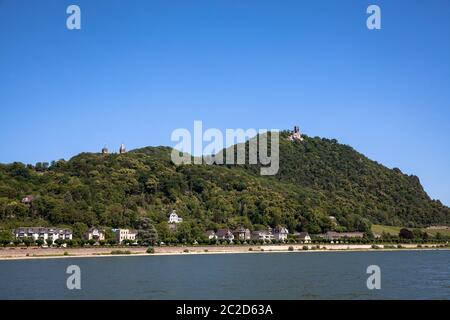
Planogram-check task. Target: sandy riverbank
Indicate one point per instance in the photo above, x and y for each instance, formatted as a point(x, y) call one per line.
point(47, 253)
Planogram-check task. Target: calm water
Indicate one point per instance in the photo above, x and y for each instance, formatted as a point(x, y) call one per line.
point(307, 275)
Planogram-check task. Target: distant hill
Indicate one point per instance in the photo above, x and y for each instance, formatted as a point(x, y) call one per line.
point(318, 178)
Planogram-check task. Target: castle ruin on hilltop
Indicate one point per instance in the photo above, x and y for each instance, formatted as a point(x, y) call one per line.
point(122, 149)
point(296, 135)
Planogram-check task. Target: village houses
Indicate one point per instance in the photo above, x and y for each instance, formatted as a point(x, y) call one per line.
point(211, 235)
point(94, 234)
point(225, 234)
point(280, 233)
point(125, 234)
point(303, 237)
point(43, 233)
point(333, 235)
point(263, 235)
point(242, 234)
point(174, 218)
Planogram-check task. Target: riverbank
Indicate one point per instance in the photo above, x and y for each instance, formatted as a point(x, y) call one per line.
point(47, 253)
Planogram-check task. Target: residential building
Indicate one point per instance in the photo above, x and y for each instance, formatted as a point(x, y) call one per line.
point(43, 233)
point(303, 237)
point(125, 234)
point(211, 235)
point(333, 235)
point(263, 235)
point(280, 233)
point(242, 234)
point(28, 199)
point(224, 234)
point(94, 234)
point(174, 218)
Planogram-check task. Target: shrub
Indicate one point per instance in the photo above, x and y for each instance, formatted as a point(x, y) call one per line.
point(66, 253)
point(150, 250)
point(291, 248)
point(186, 250)
point(305, 248)
point(374, 246)
point(250, 249)
point(120, 252)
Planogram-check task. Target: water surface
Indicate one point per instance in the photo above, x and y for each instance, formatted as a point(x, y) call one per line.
point(297, 275)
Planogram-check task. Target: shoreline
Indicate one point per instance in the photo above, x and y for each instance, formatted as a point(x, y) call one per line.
point(13, 254)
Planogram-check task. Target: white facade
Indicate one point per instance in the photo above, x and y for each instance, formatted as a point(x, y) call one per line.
point(174, 218)
point(281, 234)
point(125, 234)
point(211, 235)
point(43, 234)
point(94, 234)
point(303, 237)
point(224, 234)
point(262, 235)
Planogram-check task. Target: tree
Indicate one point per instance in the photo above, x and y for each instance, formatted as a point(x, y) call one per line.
point(79, 229)
point(59, 242)
point(406, 234)
point(28, 241)
point(147, 233)
point(40, 242)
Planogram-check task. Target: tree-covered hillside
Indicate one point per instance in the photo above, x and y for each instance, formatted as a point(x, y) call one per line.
point(318, 178)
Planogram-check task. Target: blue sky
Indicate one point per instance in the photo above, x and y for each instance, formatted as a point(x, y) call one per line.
point(137, 70)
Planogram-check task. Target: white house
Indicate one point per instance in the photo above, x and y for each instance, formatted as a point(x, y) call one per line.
point(242, 234)
point(43, 233)
point(174, 218)
point(281, 233)
point(303, 237)
point(263, 235)
point(210, 234)
point(225, 234)
point(94, 234)
point(125, 234)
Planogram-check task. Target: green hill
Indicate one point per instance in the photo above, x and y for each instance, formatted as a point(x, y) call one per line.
point(318, 178)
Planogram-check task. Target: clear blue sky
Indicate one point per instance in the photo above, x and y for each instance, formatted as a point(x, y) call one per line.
point(137, 70)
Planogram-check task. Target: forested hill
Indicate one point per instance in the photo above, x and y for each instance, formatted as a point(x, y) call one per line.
point(318, 178)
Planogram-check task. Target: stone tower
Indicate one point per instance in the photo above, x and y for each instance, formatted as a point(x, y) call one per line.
point(122, 149)
point(105, 150)
point(296, 135)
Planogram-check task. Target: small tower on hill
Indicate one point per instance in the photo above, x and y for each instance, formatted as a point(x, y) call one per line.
point(122, 149)
point(296, 135)
point(105, 150)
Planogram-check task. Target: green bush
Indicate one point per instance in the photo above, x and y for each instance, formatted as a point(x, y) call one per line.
point(119, 252)
point(305, 248)
point(150, 250)
point(291, 248)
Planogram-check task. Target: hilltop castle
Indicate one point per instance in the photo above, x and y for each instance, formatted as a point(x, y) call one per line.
point(296, 135)
point(121, 149)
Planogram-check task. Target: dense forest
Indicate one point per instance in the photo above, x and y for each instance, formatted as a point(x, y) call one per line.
point(318, 178)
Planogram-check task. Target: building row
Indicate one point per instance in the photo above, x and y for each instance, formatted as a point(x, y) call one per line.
point(54, 234)
point(44, 234)
point(333, 235)
point(244, 234)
